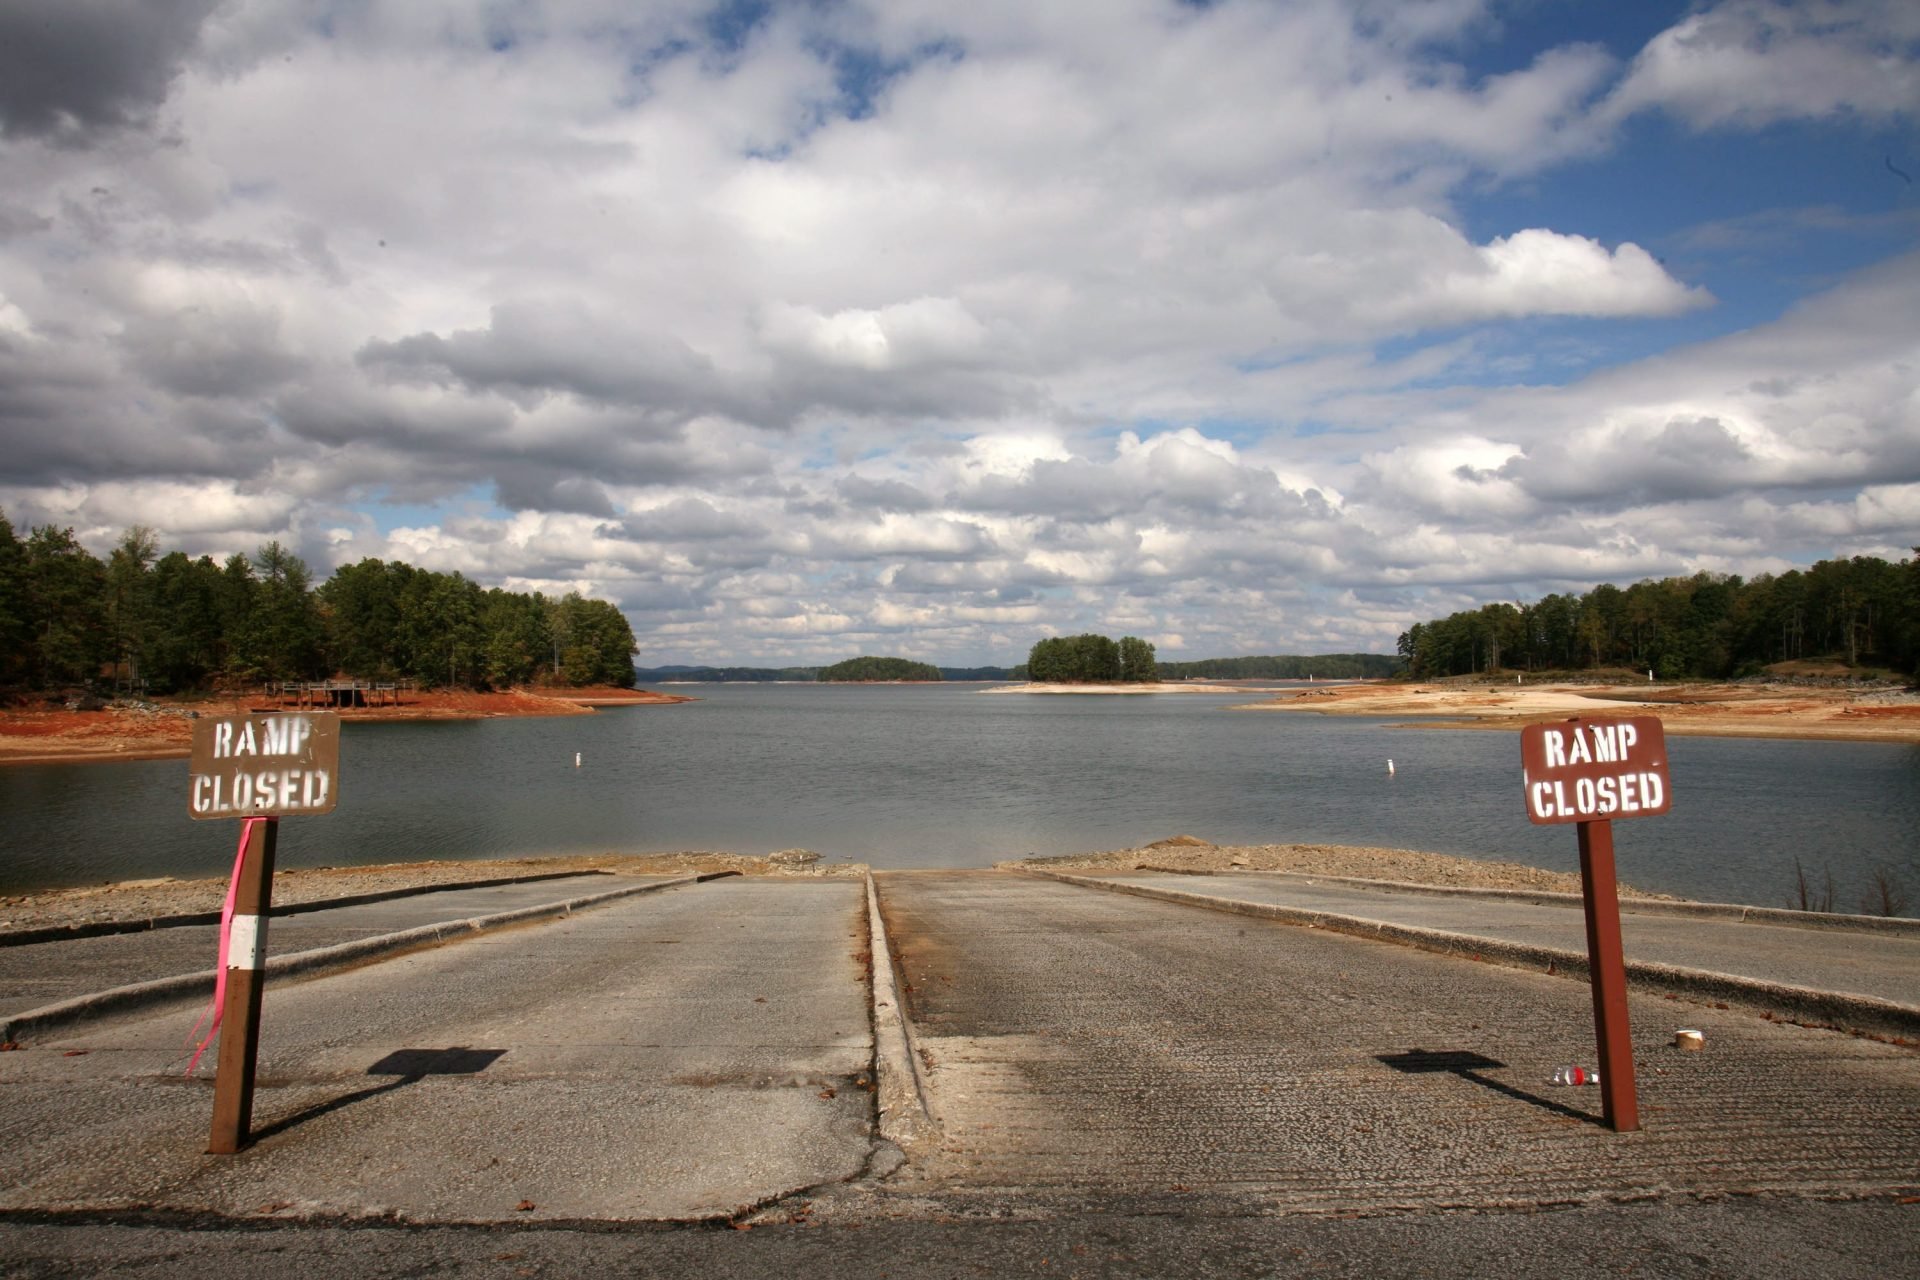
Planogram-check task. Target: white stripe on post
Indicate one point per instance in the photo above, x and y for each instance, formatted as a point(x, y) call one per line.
point(247, 943)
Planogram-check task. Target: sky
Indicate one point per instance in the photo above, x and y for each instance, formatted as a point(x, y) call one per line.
point(801, 330)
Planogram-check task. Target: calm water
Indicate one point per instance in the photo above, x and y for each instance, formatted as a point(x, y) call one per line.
point(925, 776)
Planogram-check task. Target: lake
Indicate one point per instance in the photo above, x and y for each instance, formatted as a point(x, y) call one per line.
point(945, 776)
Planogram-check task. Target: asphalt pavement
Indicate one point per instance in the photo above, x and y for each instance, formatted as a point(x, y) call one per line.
point(1764, 1237)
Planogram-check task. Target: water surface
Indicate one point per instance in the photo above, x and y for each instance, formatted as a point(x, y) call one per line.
point(938, 776)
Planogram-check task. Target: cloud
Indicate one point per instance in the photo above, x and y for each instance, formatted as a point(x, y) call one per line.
point(1748, 63)
point(530, 349)
point(801, 327)
point(1537, 272)
point(71, 68)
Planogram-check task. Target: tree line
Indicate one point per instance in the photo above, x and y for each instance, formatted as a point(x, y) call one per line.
point(1092, 659)
point(1862, 611)
point(1325, 666)
point(171, 623)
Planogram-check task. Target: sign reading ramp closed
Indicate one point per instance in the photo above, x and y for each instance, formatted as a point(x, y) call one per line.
point(265, 766)
point(1588, 769)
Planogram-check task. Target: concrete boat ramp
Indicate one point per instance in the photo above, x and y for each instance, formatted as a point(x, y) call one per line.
point(936, 1048)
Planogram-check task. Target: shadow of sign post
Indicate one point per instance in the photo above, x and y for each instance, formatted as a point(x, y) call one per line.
point(1590, 771)
point(407, 1066)
point(1468, 1065)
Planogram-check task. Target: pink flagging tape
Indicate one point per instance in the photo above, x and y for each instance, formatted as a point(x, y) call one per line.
point(218, 1006)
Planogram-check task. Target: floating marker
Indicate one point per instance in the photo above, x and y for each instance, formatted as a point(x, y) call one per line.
point(1389, 766)
point(576, 759)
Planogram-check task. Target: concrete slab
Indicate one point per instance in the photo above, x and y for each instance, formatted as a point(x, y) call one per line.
point(38, 974)
point(673, 1056)
point(1089, 1045)
point(1882, 965)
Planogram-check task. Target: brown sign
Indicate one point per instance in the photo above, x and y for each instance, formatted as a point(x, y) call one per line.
point(1588, 769)
point(261, 766)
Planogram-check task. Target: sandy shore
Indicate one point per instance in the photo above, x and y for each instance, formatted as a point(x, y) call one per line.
point(1403, 866)
point(1783, 710)
point(128, 730)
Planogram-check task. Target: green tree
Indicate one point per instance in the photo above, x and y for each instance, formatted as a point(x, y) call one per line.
point(129, 601)
point(234, 602)
point(16, 629)
point(65, 591)
point(1136, 661)
point(187, 646)
point(361, 604)
point(438, 639)
point(285, 627)
point(596, 644)
point(1082, 659)
point(517, 637)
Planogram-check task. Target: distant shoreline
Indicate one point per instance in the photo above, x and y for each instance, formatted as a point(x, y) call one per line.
point(163, 730)
point(1163, 686)
point(1770, 710)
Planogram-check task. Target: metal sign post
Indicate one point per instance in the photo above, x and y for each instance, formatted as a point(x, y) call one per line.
point(1591, 771)
point(255, 766)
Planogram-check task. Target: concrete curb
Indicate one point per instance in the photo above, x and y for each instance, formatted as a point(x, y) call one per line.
point(906, 1110)
point(1867, 1014)
point(1632, 906)
point(101, 928)
point(345, 955)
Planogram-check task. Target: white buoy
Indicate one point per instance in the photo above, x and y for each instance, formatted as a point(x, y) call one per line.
point(576, 759)
point(1389, 766)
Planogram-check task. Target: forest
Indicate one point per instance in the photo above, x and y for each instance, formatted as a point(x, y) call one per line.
point(1863, 612)
point(870, 669)
point(1325, 666)
point(1092, 659)
point(145, 622)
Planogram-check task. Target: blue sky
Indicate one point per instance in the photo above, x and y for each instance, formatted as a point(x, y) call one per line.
point(801, 330)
